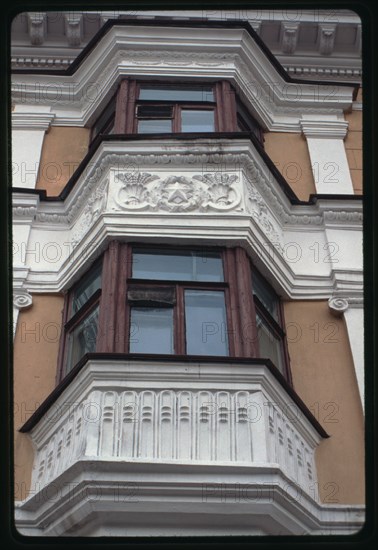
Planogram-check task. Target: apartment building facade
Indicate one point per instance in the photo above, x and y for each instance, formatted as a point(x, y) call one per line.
point(188, 273)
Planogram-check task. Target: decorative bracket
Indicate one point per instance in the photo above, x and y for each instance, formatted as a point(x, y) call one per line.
point(74, 28)
point(290, 33)
point(22, 299)
point(327, 38)
point(338, 306)
point(37, 27)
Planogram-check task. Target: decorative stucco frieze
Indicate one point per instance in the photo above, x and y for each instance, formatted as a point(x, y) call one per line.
point(93, 208)
point(343, 216)
point(214, 191)
point(24, 212)
point(261, 214)
point(177, 193)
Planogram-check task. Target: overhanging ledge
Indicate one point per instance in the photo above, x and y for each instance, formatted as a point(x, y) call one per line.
point(184, 366)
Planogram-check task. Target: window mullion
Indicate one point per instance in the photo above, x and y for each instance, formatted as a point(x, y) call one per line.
point(176, 123)
point(246, 304)
point(109, 300)
point(122, 318)
point(219, 111)
point(235, 334)
point(179, 324)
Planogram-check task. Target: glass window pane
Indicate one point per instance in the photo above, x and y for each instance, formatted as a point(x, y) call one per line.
point(82, 338)
point(86, 289)
point(172, 265)
point(266, 295)
point(154, 126)
point(151, 92)
point(206, 325)
point(103, 118)
point(197, 121)
point(270, 345)
point(151, 330)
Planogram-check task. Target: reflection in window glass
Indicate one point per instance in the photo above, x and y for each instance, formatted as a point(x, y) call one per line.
point(83, 338)
point(270, 346)
point(266, 295)
point(159, 93)
point(178, 265)
point(206, 325)
point(86, 289)
point(197, 121)
point(154, 126)
point(151, 330)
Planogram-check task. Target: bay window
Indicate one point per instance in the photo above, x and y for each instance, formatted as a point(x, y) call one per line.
point(164, 107)
point(139, 299)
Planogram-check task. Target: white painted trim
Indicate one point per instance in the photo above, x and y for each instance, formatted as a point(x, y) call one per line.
point(32, 120)
point(98, 498)
point(125, 51)
point(327, 129)
point(72, 442)
point(257, 214)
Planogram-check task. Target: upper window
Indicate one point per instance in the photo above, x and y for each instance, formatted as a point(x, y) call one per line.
point(167, 300)
point(162, 108)
point(147, 107)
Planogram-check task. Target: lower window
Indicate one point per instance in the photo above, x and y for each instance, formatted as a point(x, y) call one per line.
point(174, 301)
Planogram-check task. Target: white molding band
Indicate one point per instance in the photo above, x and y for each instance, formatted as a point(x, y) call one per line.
point(124, 51)
point(154, 184)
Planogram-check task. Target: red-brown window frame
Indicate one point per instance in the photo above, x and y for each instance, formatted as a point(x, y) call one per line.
point(125, 121)
point(114, 319)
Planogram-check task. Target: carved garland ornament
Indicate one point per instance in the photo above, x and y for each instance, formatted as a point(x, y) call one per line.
point(141, 191)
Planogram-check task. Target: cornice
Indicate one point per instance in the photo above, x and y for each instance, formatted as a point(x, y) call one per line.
point(104, 491)
point(32, 120)
point(331, 129)
point(144, 188)
point(241, 155)
point(123, 51)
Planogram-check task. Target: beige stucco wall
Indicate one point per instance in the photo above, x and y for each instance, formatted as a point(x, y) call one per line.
point(324, 377)
point(290, 154)
point(353, 146)
point(35, 360)
point(63, 149)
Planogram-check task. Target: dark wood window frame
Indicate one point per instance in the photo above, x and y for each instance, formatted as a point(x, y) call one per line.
point(275, 326)
point(127, 101)
point(114, 310)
